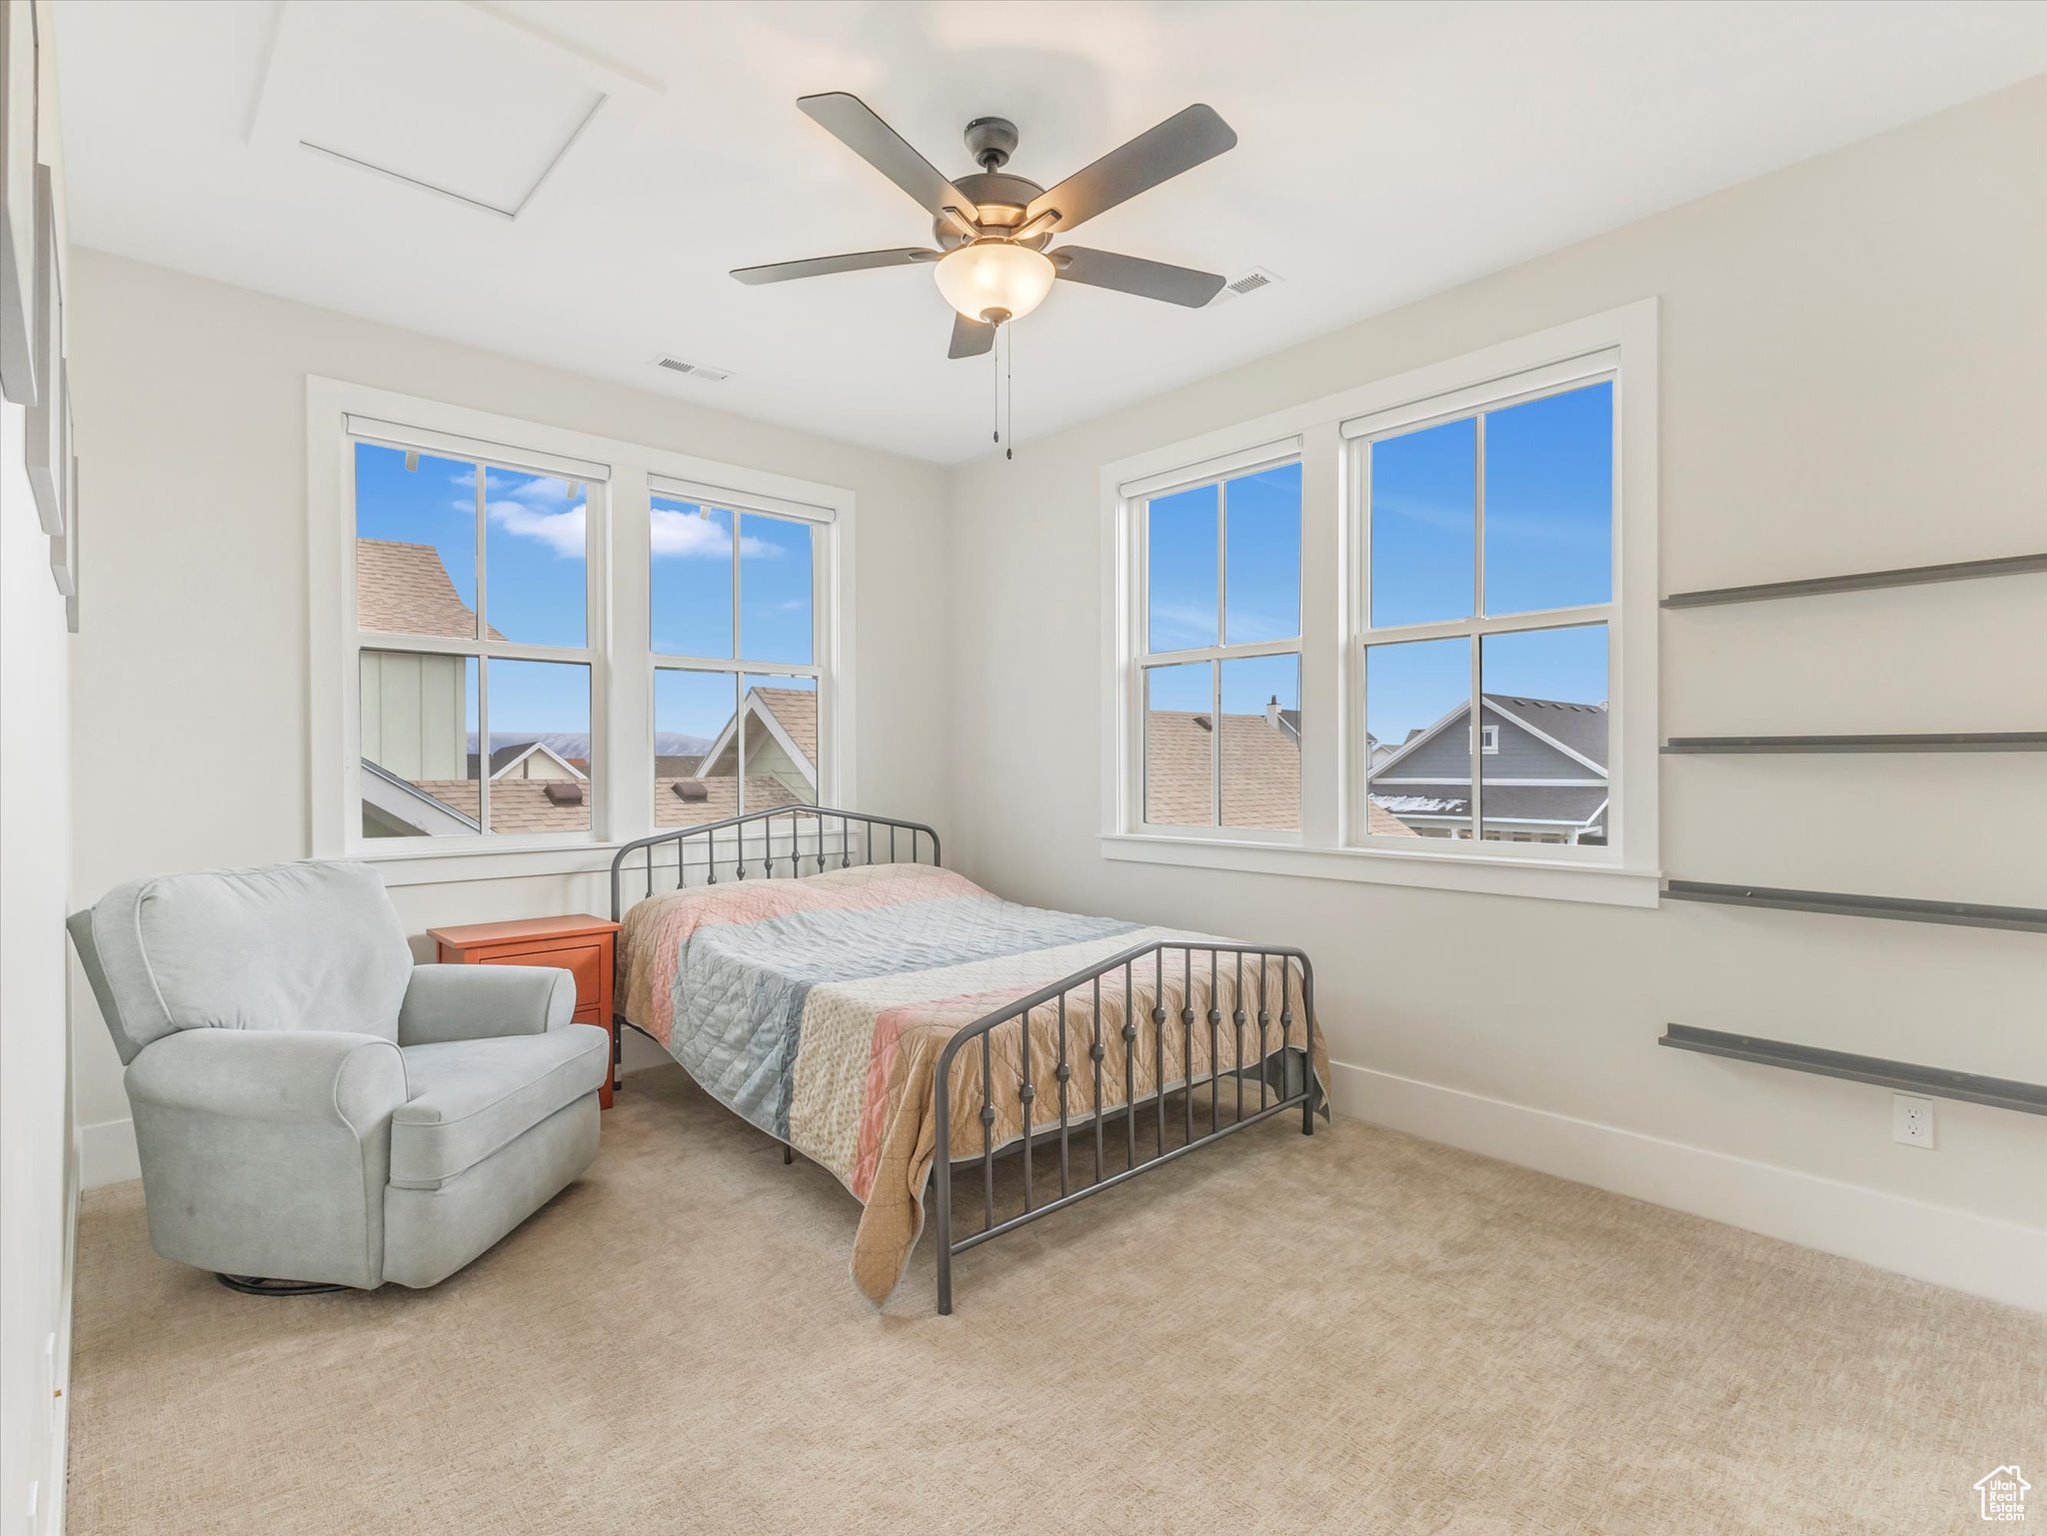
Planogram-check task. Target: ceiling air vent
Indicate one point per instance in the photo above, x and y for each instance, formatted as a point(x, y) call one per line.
point(1249, 282)
point(694, 370)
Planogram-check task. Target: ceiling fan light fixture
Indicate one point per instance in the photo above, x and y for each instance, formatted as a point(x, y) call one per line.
point(995, 275)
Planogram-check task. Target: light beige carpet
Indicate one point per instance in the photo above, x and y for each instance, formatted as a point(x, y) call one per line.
point(1355, 1333)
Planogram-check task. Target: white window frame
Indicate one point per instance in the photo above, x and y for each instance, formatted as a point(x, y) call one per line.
point(1478, 401)
point(1217, 473)
point(619, 650)
point(1622, 341)
point(734, 503)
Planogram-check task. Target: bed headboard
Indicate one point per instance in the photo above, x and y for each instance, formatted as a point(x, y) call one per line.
point(808, 838)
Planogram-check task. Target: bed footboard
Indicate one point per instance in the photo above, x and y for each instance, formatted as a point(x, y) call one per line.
point(1255, 1042)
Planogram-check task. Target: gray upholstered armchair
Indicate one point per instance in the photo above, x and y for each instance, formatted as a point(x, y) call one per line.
point(312, 1107)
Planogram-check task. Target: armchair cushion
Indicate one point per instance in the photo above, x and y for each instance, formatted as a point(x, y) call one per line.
point(468, 1098)
point(285, 947)
point(481, 1002)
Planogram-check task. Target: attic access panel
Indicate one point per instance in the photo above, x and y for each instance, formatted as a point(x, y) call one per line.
point(443, 98)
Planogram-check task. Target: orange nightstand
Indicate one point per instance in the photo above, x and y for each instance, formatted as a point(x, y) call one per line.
point(580, 945)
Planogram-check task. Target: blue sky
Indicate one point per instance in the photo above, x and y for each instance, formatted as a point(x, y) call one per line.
point(1548, 544)
point(534, 542)
point(1548, 537)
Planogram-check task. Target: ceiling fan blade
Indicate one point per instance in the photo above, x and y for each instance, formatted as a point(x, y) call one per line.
point(1158, 154)
point(970, 338)
point(819, 266)
point(853, 123)
point(1133, 274)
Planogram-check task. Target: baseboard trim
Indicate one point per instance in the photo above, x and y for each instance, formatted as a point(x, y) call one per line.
point(106, 1154)
point(1961, 1250)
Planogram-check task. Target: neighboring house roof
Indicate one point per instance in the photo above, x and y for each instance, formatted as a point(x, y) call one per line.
point(721, 800)
point(522, 805)
point(506, 758)
point(403, 589)
point(1261, 773)
point(395, 802)
point(516, 805)
point(1564, 804)
point(790, 714)
point(1578, 730)
point(667, 767)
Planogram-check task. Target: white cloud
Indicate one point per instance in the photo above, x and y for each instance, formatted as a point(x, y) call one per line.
point(561, 531)
point(540, 509)
point(685, 536)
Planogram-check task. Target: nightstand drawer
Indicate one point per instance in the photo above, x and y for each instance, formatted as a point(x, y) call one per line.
point(585, 962)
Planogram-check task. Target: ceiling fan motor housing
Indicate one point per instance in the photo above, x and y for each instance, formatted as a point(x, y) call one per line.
point(1000, 201)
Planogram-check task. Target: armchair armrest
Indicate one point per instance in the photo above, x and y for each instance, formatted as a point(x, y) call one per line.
point(306, 1077)
point(481, 1002)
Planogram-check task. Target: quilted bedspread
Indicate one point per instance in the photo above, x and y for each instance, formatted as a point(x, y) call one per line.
point(817, 1009)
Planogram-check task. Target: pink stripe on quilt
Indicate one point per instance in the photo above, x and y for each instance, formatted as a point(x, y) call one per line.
point(959, 1010)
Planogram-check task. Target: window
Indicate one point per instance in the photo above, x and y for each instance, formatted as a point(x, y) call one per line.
point(1488, 544)
point(1219, 673)
point(1426, 605)
point(733, 610)
point(473, 655)
point(538, 643)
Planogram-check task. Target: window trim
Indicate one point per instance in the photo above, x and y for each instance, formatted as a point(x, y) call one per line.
point(1476, 402)
point(620, 652)
point(1332, 728)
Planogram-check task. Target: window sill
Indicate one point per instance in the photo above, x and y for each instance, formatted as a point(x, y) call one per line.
point(1547, 880)
point(458, 866)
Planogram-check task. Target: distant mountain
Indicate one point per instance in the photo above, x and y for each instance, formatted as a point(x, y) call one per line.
point(576, 745)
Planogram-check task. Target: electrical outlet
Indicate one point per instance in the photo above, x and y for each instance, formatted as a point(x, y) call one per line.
point(1912, 1119)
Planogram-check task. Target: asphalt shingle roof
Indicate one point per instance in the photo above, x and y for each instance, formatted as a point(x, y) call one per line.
point(1261, 773)
point(403, 589)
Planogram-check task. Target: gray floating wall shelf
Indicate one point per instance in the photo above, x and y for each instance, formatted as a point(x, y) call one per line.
point(1844, 904)
point(1924, 741)
point(1861, 581)
point(2030, 1098)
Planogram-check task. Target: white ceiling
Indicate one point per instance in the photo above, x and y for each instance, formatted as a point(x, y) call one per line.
point(1386, 151)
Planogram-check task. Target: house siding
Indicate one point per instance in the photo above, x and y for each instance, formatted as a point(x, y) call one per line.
point(415, 714)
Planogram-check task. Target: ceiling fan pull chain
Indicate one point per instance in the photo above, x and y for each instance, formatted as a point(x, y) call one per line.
point(1009, 392)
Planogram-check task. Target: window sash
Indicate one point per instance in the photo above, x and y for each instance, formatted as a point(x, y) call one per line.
point(1477, 402)
point(1217, 471)
point(739, 665)
point(485, 456)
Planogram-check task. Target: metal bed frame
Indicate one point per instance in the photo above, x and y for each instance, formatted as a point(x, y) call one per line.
point(1280, 1086)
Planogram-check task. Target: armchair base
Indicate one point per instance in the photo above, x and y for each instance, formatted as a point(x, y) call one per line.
point(256, 1285)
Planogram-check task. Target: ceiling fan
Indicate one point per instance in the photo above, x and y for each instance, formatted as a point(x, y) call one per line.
point(993, 229)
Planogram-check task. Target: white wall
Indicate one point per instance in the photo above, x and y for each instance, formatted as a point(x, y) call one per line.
point(37, 1166)
point(1854, 376)
point(35, 1151)
point(190, 734)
